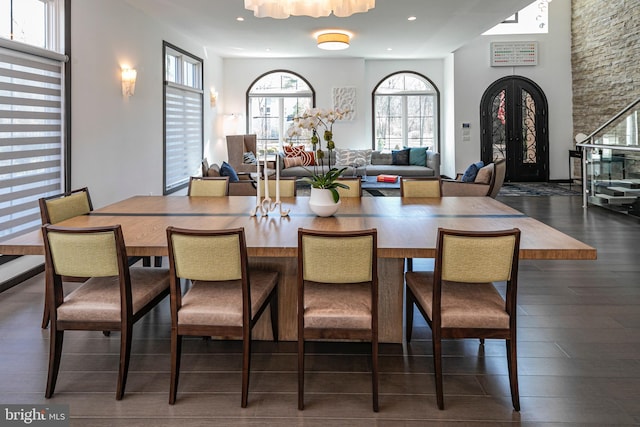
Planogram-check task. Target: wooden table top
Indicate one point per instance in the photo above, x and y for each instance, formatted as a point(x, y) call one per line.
point(406, 227)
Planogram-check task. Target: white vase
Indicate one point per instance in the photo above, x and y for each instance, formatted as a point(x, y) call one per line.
point(321, 202)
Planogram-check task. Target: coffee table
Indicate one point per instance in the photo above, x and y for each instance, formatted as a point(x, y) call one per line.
point(371, 183)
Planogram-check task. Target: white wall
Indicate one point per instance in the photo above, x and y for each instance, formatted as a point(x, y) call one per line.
point(117, 147)
point(473, 75)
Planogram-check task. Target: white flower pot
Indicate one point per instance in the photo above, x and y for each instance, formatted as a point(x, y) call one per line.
point(321, 202)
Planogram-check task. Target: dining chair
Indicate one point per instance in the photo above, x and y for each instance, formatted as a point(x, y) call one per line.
point(287, 187)
point(113, 298)
point(459, 299)
point(54, 209)
point(337, 293)
point(208, 186)
point(226, 297)
point(354, 184)
point(420, 187)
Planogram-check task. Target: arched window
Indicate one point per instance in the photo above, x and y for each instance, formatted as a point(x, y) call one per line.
point(273, 100)
point(405, 110)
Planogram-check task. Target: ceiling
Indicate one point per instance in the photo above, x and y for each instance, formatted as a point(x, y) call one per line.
point(441, 27)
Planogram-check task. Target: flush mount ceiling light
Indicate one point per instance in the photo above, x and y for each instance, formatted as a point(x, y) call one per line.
point(280, 9)
point(333, 40)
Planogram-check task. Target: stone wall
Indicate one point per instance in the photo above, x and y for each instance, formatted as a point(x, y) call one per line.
point(605, 60)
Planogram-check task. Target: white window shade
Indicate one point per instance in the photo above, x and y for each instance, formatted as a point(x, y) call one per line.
point(31, 137)
point(183, 135)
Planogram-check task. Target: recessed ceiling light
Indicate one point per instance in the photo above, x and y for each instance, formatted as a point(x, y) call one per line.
point(239, 19)
point(389, 49)
point(411, 18)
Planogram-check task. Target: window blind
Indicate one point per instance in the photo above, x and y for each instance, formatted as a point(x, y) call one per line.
point(183, 135)
point(31, 137)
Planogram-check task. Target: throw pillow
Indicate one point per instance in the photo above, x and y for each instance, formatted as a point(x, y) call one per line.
point(293, 151)
point(290, 162)
point(418, 156)
point(308, 158)
point(470, 173)
point(350, 157)
point(227, 170)
point(484, 174)
point(249, 158)
point(400, 157)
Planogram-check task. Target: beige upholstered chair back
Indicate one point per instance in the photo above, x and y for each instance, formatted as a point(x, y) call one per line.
point(420, 187)
point(64, 206)
point(208, 186)
point(355, 187)
point(84, 254)
point(337, 259)
point(207, 257)
point(287, 187)
point(477, 259)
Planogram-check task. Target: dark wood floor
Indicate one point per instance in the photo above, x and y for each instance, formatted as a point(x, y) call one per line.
point(579, 356)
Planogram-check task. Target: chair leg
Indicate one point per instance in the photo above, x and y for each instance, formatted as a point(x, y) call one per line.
point(512, 361)
point(176, 352)
point(437, 367)
point(55, 353)
point(300, 371)
point(273, 306)
point(146, 261)
point(409, 301)
point(374, 372)
point(409, 264)
point(125, 354)
point(45, 313)
point(246, 366)
point(157, 261)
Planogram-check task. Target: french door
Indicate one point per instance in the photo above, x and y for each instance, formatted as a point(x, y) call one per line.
point(514, 127)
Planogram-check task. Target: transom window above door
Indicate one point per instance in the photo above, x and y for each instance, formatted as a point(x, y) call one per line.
point(273, 100)
point(405, 107)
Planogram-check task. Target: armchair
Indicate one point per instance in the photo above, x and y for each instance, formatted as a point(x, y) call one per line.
point(488, 182)
point(237, 145)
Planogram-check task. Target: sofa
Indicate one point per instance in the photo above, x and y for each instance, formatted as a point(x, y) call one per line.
point(377, 163)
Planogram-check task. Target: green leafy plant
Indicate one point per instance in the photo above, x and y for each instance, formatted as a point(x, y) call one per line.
point(327, 181)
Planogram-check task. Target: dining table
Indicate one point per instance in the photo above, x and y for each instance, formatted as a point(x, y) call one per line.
point(406, 227)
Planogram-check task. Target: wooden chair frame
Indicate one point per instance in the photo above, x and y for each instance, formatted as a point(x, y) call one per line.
point(248, 322)
point(338, 333)
point(208, 179)
point(55, 295)
point(46, 219)
point(439, 332)
point(418, 179)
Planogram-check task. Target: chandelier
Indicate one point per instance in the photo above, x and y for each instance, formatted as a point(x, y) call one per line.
point(281, 9)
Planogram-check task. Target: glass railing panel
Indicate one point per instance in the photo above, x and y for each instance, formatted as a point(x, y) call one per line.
point(611, 163)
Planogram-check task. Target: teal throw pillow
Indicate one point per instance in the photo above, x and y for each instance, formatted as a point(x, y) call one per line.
point(418, 156)
point(469, 175)
point(227, 170)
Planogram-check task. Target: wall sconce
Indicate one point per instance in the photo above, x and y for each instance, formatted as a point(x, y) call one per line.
point(213, 97)
point(128, 81)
